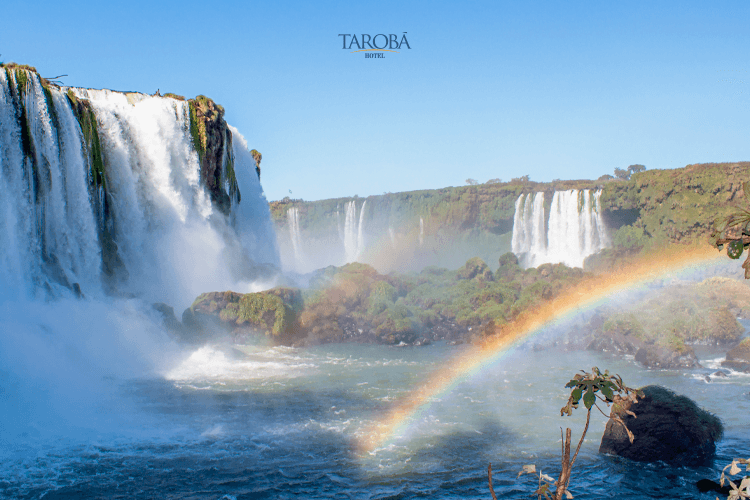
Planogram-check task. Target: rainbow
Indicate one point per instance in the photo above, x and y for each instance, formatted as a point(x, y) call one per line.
point(584, 296)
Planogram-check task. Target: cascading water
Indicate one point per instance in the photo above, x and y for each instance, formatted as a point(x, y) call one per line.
point(147, 209)
point(47, 226)
point(292, 215)
point(354, 242)
point(421, 231)
point(101, 194)
point(573, 230)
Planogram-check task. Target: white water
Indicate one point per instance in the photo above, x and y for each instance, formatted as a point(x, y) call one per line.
point(61, 357)
point(573, 229)
point(53, 224)
point(354, 241)
point(421, 231)
point(292, 216)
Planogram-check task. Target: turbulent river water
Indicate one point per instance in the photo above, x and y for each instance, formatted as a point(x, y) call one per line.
point(279, 422)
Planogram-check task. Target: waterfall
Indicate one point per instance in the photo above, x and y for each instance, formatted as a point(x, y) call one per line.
point(354, 243)
point(573, 229)
point(292, 215)
point(141, 213)
point(421, 231)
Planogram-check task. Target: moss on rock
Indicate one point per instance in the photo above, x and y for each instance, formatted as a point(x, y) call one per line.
point(212, 140)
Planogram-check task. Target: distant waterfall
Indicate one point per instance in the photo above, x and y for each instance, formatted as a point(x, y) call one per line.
point(421, 231)
point(293, 220)
point(573, 229)
point(354, 243)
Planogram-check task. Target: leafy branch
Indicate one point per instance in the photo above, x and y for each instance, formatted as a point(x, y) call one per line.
point(593, 388)
point(734, 232)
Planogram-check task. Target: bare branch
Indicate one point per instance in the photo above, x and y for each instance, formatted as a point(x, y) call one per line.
point(489, 478)
point(585, 429)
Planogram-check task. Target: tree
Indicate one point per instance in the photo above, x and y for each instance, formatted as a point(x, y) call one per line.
point(523, 178)
point(606, 388)
point(605, 177)
point(634, 169)
point(622, 174)
point(496, 180)
point(472, 182)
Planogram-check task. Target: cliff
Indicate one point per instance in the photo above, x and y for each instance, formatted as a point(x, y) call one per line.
point(652, 207)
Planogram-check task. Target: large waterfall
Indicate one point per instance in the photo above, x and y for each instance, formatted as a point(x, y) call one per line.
point(110, 202)
point(105, 187)
point(572, 230)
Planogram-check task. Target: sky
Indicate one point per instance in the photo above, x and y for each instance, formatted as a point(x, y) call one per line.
point(553, 90)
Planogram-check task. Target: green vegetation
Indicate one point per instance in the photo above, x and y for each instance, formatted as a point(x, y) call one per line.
point(231, 176)
point(197, 129)
point(86, 117)
point(174, 96)
point(651, 209)
point(681, 315)
point(274, 311)
point(733, 230)
point(356, 302)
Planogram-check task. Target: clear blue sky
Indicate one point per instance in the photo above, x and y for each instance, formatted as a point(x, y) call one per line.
point(489, 89)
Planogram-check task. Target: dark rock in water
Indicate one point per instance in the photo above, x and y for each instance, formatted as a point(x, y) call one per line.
point(719, 374)
point(169, 320)
point(77, 291)
point(738, 358)
point(668, 427)
point(649, 354)
point(655, 356)
point(705, 485)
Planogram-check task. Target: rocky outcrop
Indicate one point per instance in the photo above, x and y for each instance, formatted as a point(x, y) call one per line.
point(213, 142)
point(648, 353)
point(738, 358)
point(356, 303)
point(661, 327)
point(667, 427)
point(272, 313)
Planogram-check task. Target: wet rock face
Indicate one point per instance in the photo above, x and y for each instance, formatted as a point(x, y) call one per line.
point(650, 355)
point(213, 140)
point(668, 427)
point(739, 357)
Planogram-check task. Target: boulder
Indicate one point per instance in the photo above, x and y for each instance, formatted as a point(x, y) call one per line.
point(648, 353)
point(738, 358)
point(169, 320)
point(668, 427)
point(656, 356)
